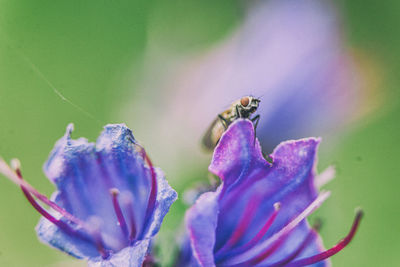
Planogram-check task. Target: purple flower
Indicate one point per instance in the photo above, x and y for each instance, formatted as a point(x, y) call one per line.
point(257, 216)
point(110, 200)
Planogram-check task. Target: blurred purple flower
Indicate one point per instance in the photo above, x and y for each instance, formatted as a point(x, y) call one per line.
point(110, 200)
point(289, 53)
point(257, 216)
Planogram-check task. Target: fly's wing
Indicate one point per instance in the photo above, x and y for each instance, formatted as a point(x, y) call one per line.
point(213, 134)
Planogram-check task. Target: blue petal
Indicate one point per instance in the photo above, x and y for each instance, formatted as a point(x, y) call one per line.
point(132, 256)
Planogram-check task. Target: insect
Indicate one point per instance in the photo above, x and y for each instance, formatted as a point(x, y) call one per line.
point(242, 108)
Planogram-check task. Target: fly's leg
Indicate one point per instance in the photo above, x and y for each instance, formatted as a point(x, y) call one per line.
point(255, 121)
point(238, 115)
point(223, 121)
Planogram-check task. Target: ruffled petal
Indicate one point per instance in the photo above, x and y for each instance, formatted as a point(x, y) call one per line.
point(233, 155)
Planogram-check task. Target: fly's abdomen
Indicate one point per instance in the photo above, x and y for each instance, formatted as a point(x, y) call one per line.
point(213, 134)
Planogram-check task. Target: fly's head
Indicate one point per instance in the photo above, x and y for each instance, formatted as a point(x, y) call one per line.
point(247, 106)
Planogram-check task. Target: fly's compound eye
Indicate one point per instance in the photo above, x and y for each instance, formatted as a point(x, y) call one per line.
point(245, 101)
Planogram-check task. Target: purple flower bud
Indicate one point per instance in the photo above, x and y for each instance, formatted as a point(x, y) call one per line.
point(110, 200)
point(258, 214)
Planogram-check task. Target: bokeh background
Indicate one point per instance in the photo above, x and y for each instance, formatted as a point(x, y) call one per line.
point(143, 63)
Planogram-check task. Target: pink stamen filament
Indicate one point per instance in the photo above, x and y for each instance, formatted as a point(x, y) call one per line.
point(130, 216)
point(118, 212)
point(242, 225)
point(303, 244)
point(335, 249)
point(265, 254)
point(63, 226)
point(153, 191)
point(274, 242)
point(60, 224)
point(269, 251)
point(133, 233)
point(256, 238)
point(10, 174)
point(98, 241)
point(264, 229)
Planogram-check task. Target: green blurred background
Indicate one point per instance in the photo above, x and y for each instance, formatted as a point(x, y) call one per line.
point(92, 52)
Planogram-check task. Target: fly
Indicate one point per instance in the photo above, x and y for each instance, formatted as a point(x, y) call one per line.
point(242, 108)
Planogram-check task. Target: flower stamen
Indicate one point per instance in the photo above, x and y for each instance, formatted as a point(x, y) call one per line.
point(126, 200)
point(242, 226)
point(260, 234)
point(87, 235)
point(335, 249)
point(265, 227)
point(12, 176)
point(153, 191)
point(304, 243)
point(118, 211)
point(267, 247)
point(62, 225)
point(133, 233)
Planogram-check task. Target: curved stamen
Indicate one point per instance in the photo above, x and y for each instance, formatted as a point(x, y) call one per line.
point(118, 212)
point(265, 248)
point(335, 249)
point(12, 176)
point(303, 244)
point(153, 191)
point(60, 224)
point(265, 227)
point(63, 226)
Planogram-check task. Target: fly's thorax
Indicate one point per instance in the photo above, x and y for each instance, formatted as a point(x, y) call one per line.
point(229, 113)
point(242, 108)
